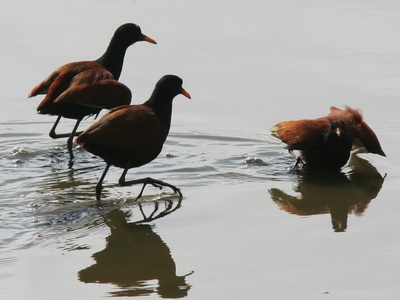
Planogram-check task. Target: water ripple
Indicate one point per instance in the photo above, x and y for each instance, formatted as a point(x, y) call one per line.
point(40, 189)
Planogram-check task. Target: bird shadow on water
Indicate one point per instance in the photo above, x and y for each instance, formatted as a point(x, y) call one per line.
point(135, 257)
point(336, 193)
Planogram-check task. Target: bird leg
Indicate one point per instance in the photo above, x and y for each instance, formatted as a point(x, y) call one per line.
point(154, 182)
point(145, 181)
point(298, 159)
point(69, 143)
point(298, 162)
point(54, 135)
point(99, 185)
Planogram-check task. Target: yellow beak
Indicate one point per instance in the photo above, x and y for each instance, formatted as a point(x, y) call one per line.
point(148, 39)
point(186, 94)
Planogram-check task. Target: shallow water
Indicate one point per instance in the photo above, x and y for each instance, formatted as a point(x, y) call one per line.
point(248, 226)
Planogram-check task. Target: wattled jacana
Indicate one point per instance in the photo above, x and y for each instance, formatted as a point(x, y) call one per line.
point(80, 89)
point(325, 143)
point(130, 136)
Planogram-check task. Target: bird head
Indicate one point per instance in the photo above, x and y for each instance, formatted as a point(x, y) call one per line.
point(171, 86)
point(130, 33)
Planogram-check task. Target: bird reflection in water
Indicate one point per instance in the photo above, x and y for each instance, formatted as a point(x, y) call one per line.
point(135, 256)
point(333, 192)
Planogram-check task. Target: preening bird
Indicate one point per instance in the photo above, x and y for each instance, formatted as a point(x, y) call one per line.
point(325, 143)
point(79, 89)
point(130, 136)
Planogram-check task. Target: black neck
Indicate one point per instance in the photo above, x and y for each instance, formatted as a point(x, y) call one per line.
point(162, 106)
point(113, 59)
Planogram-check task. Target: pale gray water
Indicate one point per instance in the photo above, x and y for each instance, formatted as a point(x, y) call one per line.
point(248, 227)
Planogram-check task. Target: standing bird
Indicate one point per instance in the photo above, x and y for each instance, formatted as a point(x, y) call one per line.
point(130, 136)
point(325, 143)
point(80, 89)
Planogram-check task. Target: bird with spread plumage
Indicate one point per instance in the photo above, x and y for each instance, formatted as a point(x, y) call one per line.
point(326, 143)
point(130, 136)
point(79, 89)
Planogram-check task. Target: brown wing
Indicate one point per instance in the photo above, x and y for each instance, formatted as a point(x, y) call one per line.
point(349, 115)
point(369, 139)
point(131, 128)
point(335, 113)
point(362, 131)
point(107, 93)
point(79, 83)
point(43, 87)
point(56, 88)
point(302, 134)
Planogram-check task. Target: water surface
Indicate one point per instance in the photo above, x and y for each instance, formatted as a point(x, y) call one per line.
point(248, 226)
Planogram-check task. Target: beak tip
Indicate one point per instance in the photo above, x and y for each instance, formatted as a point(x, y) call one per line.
point(186, 94)
point(148, 39)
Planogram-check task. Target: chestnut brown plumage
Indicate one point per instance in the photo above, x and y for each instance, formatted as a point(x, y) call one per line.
point(354, 119)
point(80, 89)
point(130, 136)
point(325, 143)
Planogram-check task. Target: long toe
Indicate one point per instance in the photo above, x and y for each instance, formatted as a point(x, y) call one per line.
point(156, 185)
point(176, 190)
